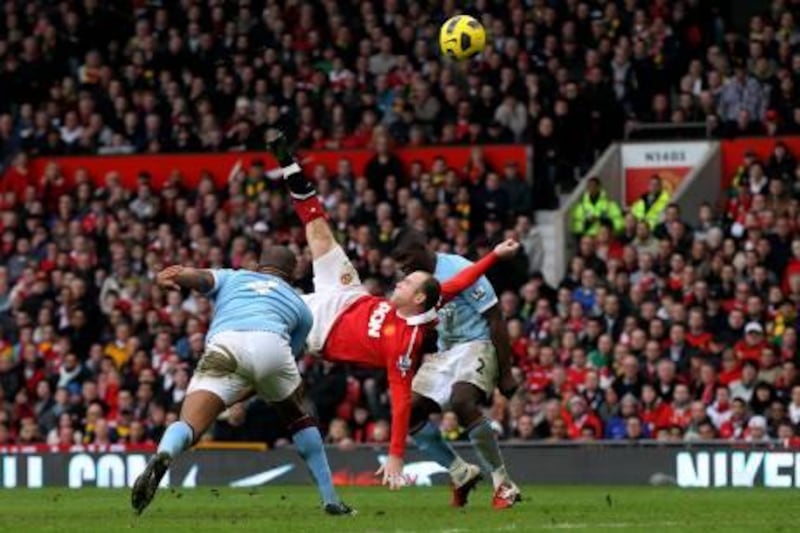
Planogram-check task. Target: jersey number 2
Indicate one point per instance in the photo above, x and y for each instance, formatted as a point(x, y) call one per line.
point(481, 366)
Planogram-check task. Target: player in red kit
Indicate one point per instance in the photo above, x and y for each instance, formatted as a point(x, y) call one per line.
point(351, 326)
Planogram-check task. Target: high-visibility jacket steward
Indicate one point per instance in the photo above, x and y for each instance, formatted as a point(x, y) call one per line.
point(644, 209)
point(588, 214)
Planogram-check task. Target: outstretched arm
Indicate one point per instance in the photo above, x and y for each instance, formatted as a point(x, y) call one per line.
point(180, 277)
point(400, 394)
point(470, 275)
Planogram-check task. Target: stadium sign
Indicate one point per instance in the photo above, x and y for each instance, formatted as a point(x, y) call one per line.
point(672, 162)
point(685, 465)
point(738, 469)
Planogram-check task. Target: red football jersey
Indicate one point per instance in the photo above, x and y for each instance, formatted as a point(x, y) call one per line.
point(371, 333)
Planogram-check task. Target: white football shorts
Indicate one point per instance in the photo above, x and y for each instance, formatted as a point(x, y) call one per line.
point(236, 362)
point(336, 286)
point(469, 362)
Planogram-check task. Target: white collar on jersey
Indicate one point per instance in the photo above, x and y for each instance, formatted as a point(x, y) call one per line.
point(423, 318)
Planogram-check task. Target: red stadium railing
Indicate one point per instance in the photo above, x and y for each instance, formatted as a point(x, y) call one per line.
point(221, 166)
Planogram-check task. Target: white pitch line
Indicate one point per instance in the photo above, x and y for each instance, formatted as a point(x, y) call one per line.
point(610, 525)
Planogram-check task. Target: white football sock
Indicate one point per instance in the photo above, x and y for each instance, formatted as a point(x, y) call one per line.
point(500, 476)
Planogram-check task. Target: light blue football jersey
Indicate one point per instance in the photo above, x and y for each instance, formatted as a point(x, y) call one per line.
point(252, 301)
point(461, 320)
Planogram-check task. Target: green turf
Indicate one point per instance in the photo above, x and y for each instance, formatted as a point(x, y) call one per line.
point(284, 509)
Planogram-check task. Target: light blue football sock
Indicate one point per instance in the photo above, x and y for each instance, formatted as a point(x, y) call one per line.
point(429, 440)
point(308, 442)
point(484, 441)
point(177, 438)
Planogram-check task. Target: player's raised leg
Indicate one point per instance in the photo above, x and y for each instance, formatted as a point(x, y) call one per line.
point(304, 196)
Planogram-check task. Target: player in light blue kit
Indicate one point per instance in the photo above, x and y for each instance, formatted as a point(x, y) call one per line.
point(474, 356)
point(260, 324)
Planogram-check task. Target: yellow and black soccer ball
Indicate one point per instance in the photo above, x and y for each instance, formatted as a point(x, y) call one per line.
point(462, 37)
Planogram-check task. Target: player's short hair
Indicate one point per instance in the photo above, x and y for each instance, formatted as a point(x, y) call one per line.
point(408, 240)
point(432, 291)
point(278, 258)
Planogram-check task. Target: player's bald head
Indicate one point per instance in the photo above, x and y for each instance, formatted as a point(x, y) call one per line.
point(279, 260)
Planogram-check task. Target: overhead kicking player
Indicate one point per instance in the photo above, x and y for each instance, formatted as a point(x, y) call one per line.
point(260, 324)
point(473, 356)
point(352, 326)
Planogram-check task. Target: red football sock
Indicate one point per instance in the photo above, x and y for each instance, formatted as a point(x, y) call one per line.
point(309, 209)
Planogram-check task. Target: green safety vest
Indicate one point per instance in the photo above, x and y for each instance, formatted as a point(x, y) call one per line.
point(651, 214)
point(587, 210)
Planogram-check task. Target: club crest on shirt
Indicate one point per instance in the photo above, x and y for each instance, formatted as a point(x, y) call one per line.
point(348, 274)
point(404, 364)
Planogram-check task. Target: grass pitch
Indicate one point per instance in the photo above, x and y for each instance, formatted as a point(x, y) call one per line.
point(288, 509)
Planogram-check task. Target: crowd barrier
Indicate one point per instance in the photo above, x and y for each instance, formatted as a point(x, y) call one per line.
point(643, 464)
point(222, 165)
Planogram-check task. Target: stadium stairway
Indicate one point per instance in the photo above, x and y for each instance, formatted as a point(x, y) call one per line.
point(546, 223)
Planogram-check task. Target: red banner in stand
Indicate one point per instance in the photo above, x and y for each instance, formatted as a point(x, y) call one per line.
point(221, 165)
point(733, 152)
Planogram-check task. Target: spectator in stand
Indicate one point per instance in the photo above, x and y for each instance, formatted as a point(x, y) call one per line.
point(511, 114)
point(578, 417)
point(649, 207)
point(382, 166)
point(753, 345)
point(745, 386)
point(517, 189)
point(742, 93)
point(756, 430)
point(595, 208)
point(617, 426)
point(532, 244)
point(634, 429)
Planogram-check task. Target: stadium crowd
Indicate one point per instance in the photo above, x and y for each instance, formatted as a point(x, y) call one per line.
point(566, 76)
point(658, 330)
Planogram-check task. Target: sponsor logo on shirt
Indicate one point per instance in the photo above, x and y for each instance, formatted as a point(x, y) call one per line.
point(376, 320)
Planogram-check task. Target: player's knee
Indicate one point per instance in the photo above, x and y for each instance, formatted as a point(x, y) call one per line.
point(465, 408)
point(200, 409)
point(293, 413)
point(301, 423)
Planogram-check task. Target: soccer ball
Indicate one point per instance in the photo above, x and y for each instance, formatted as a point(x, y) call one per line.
point(462, 37)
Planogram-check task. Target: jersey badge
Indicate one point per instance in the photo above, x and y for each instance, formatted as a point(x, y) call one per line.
point(404, 364)
point(478, 294)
